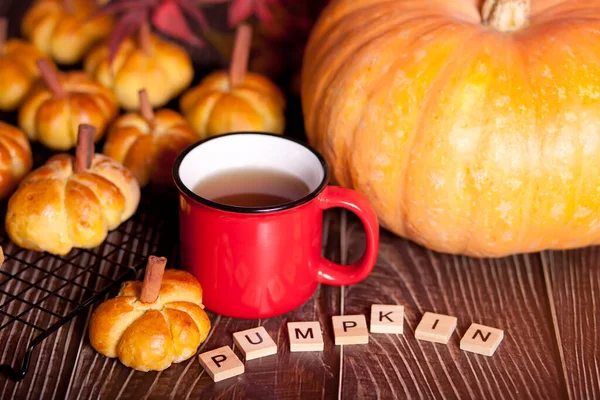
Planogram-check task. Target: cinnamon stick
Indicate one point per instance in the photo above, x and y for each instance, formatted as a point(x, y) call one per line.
point(146, 108)
point(144, 38)
point(153, 279)
point(85, 148)
point(3, 34)
point(50, 77)
point(241, 53)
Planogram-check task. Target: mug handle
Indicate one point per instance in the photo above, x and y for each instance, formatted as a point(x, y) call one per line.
point(337, 274)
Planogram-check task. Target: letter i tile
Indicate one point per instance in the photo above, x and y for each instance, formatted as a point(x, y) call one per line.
point(435, 328)
point(221, 363)
point(255, 343)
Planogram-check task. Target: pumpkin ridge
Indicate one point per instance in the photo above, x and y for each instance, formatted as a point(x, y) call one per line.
point(74, 130)
point(484, 143)
point(332, 72)
point(375, 85)
point(568, 48)
point(260, 107)
point(104, 210)
point(435, 86)
point(559, 8)
point(170, 332)
point(63, 193)
point(328, 23)
point(529, 190)
point(393, 21)
point(319, 60)
point(208, 113)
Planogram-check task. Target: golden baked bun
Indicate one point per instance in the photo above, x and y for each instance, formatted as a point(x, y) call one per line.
point(18, 69)
point(213, 107)
point(148, 144)
point(236, 100)
point(161, 67)
point(152, 336)
point(55, 209)
point(52, 111)
point(15, 158)
point(59, 28)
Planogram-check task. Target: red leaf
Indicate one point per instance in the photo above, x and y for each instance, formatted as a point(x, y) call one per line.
point(263, 12)
point(198, 2)
point(123, 6)
point(194, 13)
point(240, 10)
point(125, 27)
point(169, 19)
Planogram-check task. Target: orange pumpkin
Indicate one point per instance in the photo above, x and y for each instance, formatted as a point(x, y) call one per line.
point(472, 126)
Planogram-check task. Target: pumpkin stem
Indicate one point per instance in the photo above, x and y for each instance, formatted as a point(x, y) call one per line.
point(506, 15)
point(144, 38)
point(85, 148)
point(241, 52)
point(3, 34)
point(50, 77)
point(146, 108)
point(155, 270)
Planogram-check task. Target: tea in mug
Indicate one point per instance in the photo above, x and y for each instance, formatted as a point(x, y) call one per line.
point(252, 187)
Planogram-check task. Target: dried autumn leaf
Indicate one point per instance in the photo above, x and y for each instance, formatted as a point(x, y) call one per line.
point(240, 10)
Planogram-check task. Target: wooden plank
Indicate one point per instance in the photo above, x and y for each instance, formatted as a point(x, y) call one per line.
point(285, 375)
point(505, 293)
point(573, 279)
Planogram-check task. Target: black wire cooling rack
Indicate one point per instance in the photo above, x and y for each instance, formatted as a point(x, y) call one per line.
point(41, 292)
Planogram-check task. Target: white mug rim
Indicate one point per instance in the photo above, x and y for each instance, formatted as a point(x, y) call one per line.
point(183, 188)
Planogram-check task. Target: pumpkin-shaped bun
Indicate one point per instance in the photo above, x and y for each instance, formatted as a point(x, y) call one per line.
point(236, 100)
point(60, 28)
point(148, 143)
point(161, 67)
point(57, 104)
point(152, 336)
point(471, 131)
point(56, 209)
point(18, 69)
point(15, 158)
point(213, 107)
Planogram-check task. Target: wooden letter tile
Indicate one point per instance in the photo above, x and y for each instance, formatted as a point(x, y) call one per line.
point(481, 339)
point(387, 318)
point(435, 328)
point(221, 363)
point(255, 343)
point(305, 336)
point(350, 329)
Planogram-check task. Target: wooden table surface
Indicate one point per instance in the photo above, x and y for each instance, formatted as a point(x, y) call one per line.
point(547, 303)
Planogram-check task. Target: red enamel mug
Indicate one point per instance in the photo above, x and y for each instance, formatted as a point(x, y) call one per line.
point(262, 262)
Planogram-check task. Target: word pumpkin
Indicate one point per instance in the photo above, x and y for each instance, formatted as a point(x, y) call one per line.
point(223, 363)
